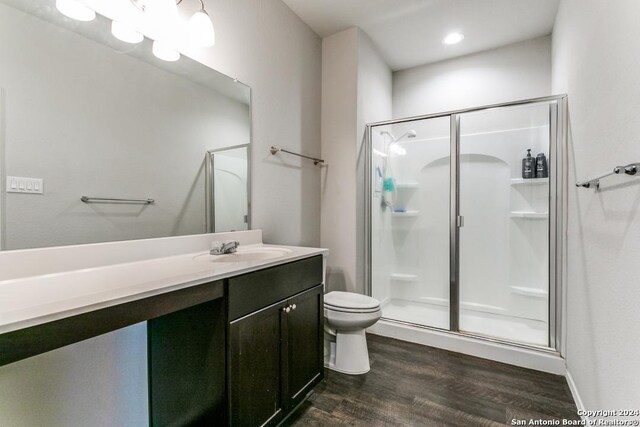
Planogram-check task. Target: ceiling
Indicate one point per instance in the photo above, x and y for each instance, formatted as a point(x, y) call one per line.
point(410, 32)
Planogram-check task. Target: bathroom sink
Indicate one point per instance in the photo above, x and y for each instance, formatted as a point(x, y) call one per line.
point(246, 255)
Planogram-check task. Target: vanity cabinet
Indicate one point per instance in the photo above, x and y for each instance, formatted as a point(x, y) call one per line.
point(245, 360)
point(275, 348)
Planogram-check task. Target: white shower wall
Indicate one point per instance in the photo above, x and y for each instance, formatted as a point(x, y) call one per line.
point(503, 249)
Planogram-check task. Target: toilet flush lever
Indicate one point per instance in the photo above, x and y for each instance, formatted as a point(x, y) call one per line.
point(460, 221)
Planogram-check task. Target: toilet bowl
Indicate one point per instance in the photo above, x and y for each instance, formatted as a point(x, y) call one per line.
point(347, 315)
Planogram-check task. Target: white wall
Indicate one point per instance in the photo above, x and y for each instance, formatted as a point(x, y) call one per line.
point(356, 89)
point(517, 71)
point(102, 382)
point(595, 61)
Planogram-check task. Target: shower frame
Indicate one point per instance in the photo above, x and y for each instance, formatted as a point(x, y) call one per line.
point(557, 219)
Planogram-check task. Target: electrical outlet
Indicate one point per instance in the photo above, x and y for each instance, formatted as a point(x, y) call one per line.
point(17, 184)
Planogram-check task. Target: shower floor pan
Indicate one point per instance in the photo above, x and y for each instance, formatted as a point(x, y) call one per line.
point(501, 326)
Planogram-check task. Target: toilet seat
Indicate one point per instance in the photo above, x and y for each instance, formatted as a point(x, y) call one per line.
point(351, 310)
point(350, 302)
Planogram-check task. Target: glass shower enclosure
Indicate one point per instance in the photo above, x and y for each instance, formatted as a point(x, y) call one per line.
point(463, 229)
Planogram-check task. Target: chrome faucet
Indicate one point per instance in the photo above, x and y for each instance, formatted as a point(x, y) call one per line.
point(220, 248)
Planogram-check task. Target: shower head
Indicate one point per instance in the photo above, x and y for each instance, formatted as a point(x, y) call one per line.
point(408, 134)
point(389, 134)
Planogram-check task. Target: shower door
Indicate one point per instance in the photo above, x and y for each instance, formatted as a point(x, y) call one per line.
point(410, 170)
point(458, 238)
point(503, 253)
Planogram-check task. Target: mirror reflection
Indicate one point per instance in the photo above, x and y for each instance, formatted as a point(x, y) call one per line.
point(84, 114)
point(228, 189)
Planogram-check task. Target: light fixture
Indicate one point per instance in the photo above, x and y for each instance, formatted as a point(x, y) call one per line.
point(200, 29)
point(125, 32)
point(165, 51)
point(453, 38)
point(75, 9)
point(156, 19)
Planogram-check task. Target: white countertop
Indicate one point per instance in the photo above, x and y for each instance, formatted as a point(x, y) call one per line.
point(32, 300)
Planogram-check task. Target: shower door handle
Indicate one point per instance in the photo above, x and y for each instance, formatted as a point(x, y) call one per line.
point(460, 221)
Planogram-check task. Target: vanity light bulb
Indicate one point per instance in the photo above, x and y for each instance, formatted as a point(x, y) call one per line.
point(165, 51)
point(200, 28)
point(125, 32)
point(75, 9)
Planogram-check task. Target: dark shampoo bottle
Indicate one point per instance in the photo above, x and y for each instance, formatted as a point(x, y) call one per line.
point(528, 166)
point(542, 170)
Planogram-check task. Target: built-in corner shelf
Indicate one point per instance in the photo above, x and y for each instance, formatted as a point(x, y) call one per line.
point(530, 292)
point(406, 185)
point(403, 277)
point(531, 181)
point(405, 214)
point(529, 215)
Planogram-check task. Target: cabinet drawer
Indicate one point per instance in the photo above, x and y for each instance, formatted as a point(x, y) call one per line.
point(253, 291)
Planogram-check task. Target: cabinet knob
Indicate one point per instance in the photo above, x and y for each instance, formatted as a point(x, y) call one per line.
point(293, 306)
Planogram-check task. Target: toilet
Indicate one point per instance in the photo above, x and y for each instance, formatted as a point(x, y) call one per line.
point(347, 315)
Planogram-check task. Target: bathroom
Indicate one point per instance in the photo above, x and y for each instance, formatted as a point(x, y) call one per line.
point(369, 147)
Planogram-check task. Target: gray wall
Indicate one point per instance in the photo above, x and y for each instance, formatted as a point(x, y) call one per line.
point(517, 71)
point(375, 88)
point(265, 45)
point(339, 137)
point(92, 121)
point(356, 89)
point(595, 62)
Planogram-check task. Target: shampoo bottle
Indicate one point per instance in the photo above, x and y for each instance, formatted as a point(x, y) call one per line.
point(528, 166)
point(542, 171)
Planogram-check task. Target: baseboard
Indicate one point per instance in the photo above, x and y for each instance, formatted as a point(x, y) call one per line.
point(544, 361)
point(576, 396)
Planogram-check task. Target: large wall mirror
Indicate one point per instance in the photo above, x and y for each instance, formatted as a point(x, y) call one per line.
point(84, 114)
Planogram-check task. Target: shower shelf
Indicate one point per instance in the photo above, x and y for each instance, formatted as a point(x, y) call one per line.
point(403, 277)
point(406, 185)
point(529, 215)
point(532, 181)
point(405, 214)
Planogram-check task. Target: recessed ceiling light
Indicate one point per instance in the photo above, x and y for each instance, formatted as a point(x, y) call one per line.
point(453, 38)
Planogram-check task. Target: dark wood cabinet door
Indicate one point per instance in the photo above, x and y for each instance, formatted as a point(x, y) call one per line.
point(254, 364)
point(303, 345)
point(187, 366)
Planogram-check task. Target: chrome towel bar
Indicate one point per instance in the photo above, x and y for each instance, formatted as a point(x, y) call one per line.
point(316, 161)
point(630, 169)
point(87, 199)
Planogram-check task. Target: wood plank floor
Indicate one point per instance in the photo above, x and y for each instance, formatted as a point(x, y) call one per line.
point(414, 385)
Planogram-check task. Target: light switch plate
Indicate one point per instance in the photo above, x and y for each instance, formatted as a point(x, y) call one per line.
point(17, 184)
